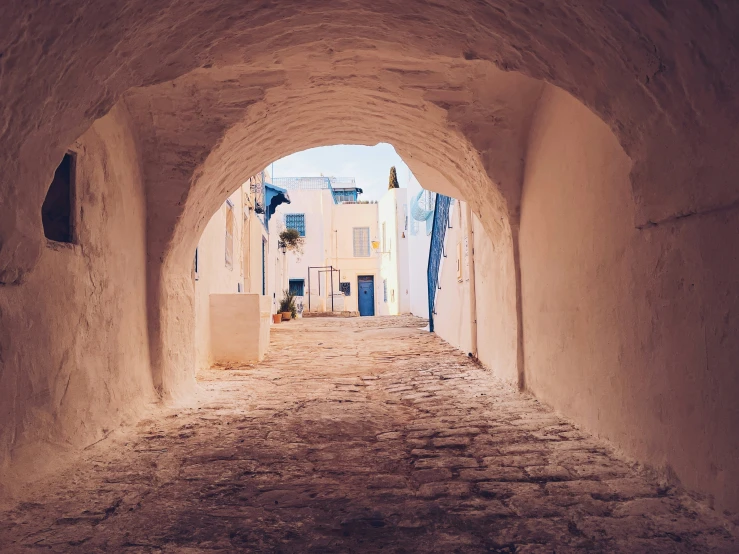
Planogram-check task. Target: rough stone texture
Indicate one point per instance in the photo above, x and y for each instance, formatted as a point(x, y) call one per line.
point(74, 359)
point(357, 435)
point(638, 325)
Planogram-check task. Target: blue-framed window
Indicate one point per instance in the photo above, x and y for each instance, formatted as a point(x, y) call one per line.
point(297, 287)
point(345, 195)
point(297, 222)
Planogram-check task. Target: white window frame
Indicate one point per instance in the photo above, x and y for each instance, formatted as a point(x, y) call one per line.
point(366, 230)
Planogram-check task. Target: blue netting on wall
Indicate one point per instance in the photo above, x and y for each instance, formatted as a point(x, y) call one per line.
point(436, 250)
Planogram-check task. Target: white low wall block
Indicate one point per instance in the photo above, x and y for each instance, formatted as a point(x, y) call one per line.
point(239, 327)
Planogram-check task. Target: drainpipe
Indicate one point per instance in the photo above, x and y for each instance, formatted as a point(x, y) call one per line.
point(471, 269)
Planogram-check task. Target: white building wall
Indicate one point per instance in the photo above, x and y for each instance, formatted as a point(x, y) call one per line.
point(393, 253)
point(402, 262)
point(418, 257)
point(341, 254)
point(244, 276)
point(329, 241)
point(255, 233)
point(315, 205)
point(452, 318)
point(213, 276)
point(276, 266)
point(494, 295)
point(495, 290)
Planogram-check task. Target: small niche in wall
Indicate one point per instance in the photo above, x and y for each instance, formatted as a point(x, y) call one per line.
point(57, 209)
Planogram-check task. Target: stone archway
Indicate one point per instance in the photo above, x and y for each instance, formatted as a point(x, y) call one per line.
point(178, 102)
point(235, 143)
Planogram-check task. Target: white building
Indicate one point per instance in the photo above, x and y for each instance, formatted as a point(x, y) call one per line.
point(452, 316)
point(231, 275)
point(472, 277)
point(420, 218)
point(393, 250)
point(354, 256)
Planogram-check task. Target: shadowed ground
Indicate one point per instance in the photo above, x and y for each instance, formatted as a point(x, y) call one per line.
point(357, 435)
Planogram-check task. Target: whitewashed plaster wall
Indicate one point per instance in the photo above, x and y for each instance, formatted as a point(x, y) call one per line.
point(393, 256)
point(418, 257)
point(452, 307)
point(213, 276)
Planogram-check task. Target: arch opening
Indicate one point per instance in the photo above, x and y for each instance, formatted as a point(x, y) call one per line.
point(387, 266)
point(224, 168)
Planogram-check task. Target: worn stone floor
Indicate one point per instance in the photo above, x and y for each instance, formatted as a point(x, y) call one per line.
point(357, 435)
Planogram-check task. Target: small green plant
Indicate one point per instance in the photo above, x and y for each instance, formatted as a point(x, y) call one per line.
point(292, 240)
point(287, 304)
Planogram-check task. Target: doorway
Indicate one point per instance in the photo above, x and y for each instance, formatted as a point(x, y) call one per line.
point(366, 296)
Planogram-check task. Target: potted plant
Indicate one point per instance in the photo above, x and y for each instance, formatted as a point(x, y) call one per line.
point(276, 318)
point(287, 306)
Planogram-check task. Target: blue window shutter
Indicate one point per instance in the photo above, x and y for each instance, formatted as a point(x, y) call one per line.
point(297, 222)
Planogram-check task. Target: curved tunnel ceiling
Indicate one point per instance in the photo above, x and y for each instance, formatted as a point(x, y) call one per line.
point(207, 131)
point(646, 69)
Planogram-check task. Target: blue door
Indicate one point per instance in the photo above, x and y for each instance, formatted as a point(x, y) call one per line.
point(366, 288)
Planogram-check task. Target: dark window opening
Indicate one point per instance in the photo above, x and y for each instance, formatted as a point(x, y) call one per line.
point(346, 288)
point(297, 287)
point(56, 212)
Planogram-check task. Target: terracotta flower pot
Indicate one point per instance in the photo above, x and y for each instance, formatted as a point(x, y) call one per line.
point(286, 316)
point(276, 318)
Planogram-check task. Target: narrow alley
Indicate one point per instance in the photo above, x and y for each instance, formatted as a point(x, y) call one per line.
point(357, 435)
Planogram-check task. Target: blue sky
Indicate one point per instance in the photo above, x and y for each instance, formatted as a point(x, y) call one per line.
point(369, 165)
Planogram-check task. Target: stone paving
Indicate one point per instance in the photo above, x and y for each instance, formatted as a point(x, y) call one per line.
point(357, 435)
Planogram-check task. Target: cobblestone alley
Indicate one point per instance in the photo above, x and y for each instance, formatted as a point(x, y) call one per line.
point(357, 435)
